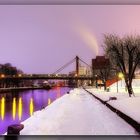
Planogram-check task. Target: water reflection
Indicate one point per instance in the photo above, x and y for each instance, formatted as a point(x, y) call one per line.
point(17, 106)
point(14, 108)
point(58, 92)
point(49, 101)
point(2, 108)
point(31, 107)
point(20, 108)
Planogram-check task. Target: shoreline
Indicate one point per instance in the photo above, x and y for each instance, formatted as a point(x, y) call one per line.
point(2, 90)
point(81, 103)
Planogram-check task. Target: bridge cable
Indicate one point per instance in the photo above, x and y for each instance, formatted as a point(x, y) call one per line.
point(85, 63)
point(64, 66)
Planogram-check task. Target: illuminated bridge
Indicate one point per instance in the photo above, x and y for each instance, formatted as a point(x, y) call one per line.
point(55, 75)
point(43, 77)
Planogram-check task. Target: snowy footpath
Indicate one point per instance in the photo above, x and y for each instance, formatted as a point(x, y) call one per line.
point(76, 113)
point(127, 105)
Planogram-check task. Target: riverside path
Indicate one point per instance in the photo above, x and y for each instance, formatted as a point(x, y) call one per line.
point(76, 113)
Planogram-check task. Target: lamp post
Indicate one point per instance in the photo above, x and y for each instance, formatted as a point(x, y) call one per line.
point(96, 81)
point(117, 84)
point(121, 76)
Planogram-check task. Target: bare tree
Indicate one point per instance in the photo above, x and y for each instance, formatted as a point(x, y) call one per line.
point(124, 53)
point(102, 70)
point(104, 74)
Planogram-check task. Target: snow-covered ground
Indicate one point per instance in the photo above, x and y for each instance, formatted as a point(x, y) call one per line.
point(121, 86)
point(77, 113)
point(129, 106)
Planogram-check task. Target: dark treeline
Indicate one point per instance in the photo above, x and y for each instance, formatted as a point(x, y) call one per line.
point(8, 70)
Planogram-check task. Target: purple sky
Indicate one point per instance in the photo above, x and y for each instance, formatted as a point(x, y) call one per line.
point(40, 39)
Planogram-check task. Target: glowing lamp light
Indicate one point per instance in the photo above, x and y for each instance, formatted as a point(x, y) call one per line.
point(2, 75)
point(19, 75)
point(2, 108)
point(120, 75)
point(31, 107)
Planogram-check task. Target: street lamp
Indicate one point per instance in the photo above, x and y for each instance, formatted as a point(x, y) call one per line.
point(19, 75)
point(96, 81)
point(121, 76)
point(2, 75)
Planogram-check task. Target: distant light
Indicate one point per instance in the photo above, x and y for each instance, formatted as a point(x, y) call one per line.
point(2, 75)
point(19, 75)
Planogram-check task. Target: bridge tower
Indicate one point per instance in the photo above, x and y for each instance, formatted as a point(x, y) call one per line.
point(77, 66)
point(77, 70)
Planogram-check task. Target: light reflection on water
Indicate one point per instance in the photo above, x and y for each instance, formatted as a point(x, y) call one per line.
point(49, 101)
point(31, 107)
point(20, 108)
point(14, 108)
point(2, 108)
point(17, 106)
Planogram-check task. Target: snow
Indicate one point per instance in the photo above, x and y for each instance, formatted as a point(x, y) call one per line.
point(129, 106)
point(76, 113)
point(121, 86)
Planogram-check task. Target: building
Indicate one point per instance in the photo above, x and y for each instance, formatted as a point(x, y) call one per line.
point(137, 74)
point(82, 71)
point(100, 62)
point(101, 70)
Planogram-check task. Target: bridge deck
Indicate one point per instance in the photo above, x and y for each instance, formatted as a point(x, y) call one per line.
point(49, 77)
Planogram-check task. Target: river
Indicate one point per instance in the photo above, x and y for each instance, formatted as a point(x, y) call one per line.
point(17, 106)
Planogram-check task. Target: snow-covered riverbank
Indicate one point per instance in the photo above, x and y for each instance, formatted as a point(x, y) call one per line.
point(127, 105)
point(76, 113)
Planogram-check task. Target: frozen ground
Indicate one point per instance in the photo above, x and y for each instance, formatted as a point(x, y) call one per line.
point(121, 86)
point(129, 106)
point(77, 113)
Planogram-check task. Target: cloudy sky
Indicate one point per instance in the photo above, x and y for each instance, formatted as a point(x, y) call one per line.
point(40, 39)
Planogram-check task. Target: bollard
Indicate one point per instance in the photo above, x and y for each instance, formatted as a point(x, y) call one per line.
point(15, 129)
point(112, 98)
